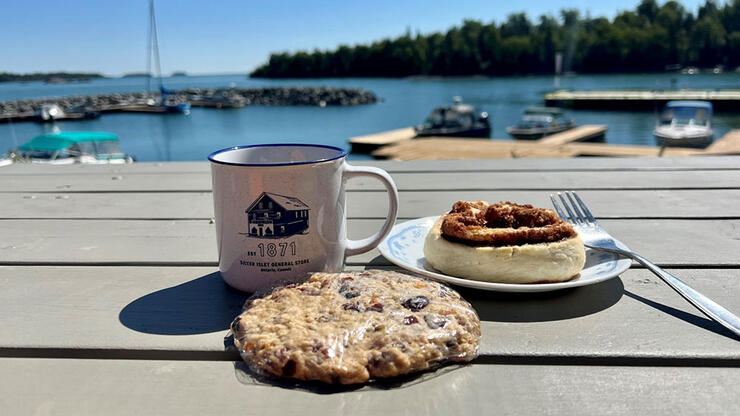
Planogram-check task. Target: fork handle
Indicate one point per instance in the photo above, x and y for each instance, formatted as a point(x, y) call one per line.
point(703, 303)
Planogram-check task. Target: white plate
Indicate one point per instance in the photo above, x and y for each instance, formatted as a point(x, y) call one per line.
point(404, 247)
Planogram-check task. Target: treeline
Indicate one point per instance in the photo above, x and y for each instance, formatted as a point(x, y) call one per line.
point(649, 38)
point(45, 76)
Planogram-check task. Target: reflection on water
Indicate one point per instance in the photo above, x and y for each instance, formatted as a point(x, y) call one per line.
point(405, 102)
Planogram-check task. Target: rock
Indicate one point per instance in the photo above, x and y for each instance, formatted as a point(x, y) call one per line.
point(303, 96)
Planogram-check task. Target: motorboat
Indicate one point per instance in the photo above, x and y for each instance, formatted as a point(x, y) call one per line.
point(66, 148)
point(538, 122)
point(685, 124)
point(54, 112)
point(456, 120)
point(50, 112)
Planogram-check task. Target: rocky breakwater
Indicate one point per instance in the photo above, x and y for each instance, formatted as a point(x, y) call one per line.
point(305, 96)
point(311, 96)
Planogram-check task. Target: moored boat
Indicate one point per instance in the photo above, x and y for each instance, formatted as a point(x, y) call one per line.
point(538, 122)
point(66, 148)
point(167, 102)
point(457, 120)
point(685, 124)
point(54, 112)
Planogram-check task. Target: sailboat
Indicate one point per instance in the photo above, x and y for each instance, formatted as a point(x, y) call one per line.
point(167, 102)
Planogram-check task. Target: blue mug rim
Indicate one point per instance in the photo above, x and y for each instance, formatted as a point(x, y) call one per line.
point(342, 153)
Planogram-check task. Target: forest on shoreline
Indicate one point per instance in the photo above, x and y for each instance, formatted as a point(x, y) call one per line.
point(650, 38)
point(48, 76)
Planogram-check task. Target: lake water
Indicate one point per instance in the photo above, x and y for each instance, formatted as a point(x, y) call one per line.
point(404, 103)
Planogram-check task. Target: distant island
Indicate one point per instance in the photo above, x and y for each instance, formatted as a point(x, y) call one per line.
point(49, 77)
point(136, 75)
point(648, 39)
point(179, 74)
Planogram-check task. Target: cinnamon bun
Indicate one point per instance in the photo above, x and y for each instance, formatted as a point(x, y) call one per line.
point(504, 243)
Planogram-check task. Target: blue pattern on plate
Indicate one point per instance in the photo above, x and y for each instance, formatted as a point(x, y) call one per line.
point(400, 242)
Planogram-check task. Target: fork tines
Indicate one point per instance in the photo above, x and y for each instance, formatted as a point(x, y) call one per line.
point(575, 210)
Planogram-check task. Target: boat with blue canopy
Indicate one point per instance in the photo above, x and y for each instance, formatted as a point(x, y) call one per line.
point(63, 148)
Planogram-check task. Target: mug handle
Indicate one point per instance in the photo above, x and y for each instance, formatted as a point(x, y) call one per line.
point(366, 244)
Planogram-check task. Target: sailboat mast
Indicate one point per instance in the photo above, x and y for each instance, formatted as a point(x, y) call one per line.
point(149, 52)
point(155, 42)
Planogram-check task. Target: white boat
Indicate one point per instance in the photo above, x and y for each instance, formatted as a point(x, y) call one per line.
point(685, 124)
point(66, 148)
point(53, 112)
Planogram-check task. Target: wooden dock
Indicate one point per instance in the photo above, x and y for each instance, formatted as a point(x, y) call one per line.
point(578, 134)
point(398, 145)
point(371, 142)
point(459, 148)
point(24, 116)
point(723, 100)
point(729, 144)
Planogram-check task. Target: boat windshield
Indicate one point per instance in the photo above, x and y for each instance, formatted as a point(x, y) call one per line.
point(436, 119)
point(47, 154)
point(685, 116)
point(108, 149)
point(85, 148)
point(448, 118)
point(535, 120)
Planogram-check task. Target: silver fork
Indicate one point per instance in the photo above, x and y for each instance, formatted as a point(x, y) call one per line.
point(595, 237)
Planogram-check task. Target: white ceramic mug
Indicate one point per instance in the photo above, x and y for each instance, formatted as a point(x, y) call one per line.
point(280, 212)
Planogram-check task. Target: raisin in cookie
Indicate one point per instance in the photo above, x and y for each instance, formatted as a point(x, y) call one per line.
point(350, 327)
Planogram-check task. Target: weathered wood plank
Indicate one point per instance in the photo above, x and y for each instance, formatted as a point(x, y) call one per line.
point(199, 205)
point(435, 181)
point(115, 387)
point(181, 242)
point(588, 164)
point(137, 312)
point(130, 169)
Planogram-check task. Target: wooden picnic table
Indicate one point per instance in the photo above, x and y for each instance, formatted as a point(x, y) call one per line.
point(111, 303)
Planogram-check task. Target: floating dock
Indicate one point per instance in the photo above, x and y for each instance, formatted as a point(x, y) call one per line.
point(578, 134)
point(722, 100)
point(453, 148)
point(729, 144)
point(372, 142)
point(436, 148)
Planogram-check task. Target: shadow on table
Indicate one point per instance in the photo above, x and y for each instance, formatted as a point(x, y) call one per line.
point(246, 376)
point(698, 320)
point(544, 306)
point(202, 305)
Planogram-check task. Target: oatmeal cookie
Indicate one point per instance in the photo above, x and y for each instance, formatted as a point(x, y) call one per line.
point(351, 327)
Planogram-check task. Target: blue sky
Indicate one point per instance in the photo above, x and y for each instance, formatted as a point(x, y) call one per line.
point(230, 36)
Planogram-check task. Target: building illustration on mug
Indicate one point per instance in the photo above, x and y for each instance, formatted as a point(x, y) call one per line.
point(277, 216)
